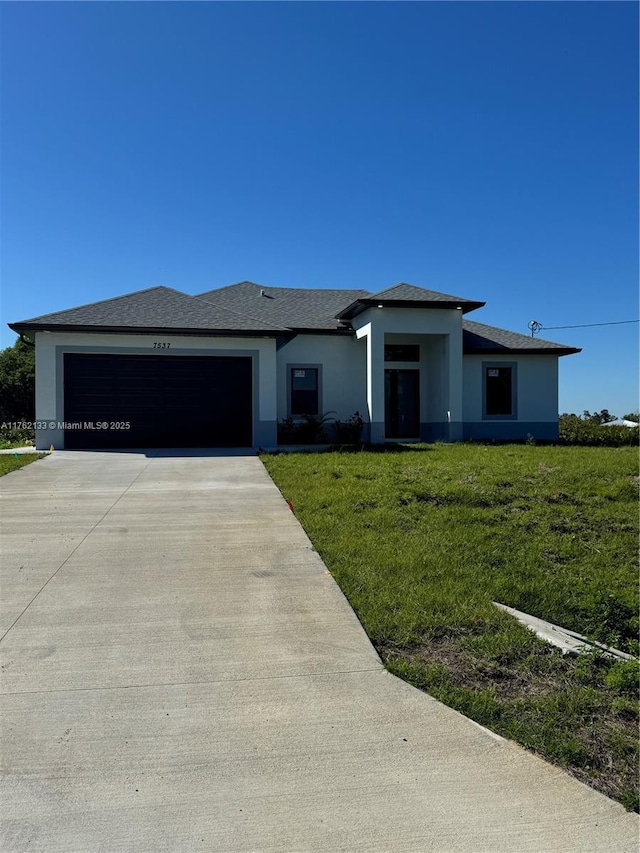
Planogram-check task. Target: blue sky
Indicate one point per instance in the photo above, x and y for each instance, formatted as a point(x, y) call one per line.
point(489, 150)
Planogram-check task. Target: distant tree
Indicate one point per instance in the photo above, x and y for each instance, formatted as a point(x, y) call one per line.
point(632, 416)
point(17, 383)
point(602, 417)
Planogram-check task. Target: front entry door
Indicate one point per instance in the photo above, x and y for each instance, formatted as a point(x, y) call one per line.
point(402, 403)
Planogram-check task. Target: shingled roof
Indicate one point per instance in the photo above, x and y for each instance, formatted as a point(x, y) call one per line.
point(410, 294)
point(478, 338)
point(160, 309)
point(250, 309)
point(297, 308)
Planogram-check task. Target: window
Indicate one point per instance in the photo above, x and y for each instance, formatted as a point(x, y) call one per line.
point(499, 397)
point(402, 352)
point(304, 391)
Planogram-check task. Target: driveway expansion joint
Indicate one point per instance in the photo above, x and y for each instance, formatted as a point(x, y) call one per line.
point(159, 684)
point(71, 553)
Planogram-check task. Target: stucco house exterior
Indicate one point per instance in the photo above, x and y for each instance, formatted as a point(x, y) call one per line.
point(160, 368)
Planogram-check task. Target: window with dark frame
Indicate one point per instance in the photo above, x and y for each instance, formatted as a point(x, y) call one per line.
point(304, 391)
point(402, 352)
point(499, 391)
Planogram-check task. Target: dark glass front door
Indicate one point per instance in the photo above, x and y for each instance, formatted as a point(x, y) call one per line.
point(402, 403)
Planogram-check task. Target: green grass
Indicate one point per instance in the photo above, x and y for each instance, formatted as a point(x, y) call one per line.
point(423, 540)
point(11, 463)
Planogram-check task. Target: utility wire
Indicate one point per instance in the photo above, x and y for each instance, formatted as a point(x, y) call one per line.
point(584, 325)
point(535, 326)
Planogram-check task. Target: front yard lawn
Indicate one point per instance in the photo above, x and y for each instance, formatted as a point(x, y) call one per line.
point(422, 540)
point(9, 462)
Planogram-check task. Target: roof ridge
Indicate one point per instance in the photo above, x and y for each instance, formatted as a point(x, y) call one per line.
point(324, 289)
point(208, 311)
point(451, 296)
point(110, 299)
point(283, 305)
point(293, 289)
point(268, 326)
point(228, 287)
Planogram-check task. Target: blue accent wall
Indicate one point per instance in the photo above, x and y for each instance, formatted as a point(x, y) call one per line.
point(437, 431)
point(265, 434)
point(479, 431)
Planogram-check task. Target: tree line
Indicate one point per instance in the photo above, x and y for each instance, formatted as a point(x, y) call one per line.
point(17, 383)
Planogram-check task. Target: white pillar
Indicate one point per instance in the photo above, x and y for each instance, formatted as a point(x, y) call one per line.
point(375, 383)
point(375, 380)
point(454, 381)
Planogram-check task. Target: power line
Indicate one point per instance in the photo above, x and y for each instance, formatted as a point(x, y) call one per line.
point(535, 326)
point(584, 325)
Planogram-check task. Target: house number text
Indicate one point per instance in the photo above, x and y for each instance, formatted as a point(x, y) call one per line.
point(161, 345)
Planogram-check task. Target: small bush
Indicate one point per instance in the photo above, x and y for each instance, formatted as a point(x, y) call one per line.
point(310, 429)
point(349, 431)
point(286, 431)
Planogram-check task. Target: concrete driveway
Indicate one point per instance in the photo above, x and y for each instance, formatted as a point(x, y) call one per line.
point(181, 673)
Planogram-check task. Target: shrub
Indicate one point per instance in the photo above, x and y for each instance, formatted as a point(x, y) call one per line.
point(310, 429)
point(590, 432)
point(349, 431)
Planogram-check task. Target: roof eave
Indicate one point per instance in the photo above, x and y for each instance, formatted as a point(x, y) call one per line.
point(309, 330)
point(501, 350)
point(20, 328)
point(361, 305)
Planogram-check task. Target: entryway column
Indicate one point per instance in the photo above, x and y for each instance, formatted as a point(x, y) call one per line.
point(375, 380)
point(454, 360)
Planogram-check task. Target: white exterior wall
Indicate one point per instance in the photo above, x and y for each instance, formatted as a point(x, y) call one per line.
point(536, 398)
point(417, 321)
point(439, 333)
point(536, 388)
point(51, 346)
point(352, 375)
point(343, 375)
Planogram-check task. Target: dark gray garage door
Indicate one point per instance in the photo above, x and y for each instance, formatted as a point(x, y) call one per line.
point(168, 401)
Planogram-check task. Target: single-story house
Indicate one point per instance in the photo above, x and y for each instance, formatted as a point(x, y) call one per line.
point(160, 368)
